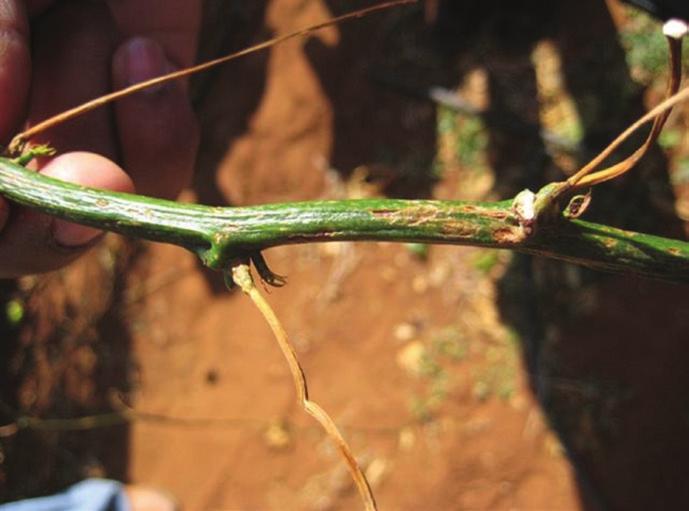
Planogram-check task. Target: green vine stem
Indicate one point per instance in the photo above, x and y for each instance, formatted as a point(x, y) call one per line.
point(221, 234)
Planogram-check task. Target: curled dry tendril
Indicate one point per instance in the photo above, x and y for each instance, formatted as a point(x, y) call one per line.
point(585, 177)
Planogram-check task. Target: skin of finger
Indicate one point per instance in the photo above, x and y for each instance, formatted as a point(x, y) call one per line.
point(73, 45)
point(175, 24)
point(158, 134)
point(36, 7)
point(4, 212)
point(26, 242)
point(15, 66)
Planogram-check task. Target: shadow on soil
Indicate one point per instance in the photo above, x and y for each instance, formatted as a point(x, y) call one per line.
point(600, 350)
point(63, 359)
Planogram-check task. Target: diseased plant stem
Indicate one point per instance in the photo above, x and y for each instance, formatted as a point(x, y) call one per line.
point(219, 234)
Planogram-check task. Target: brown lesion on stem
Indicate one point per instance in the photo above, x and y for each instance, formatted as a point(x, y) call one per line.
point(609, 243)
point(415, 216)
point(510, 236)
point(460, 229)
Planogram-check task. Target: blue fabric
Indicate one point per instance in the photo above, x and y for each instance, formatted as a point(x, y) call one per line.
point(88, 495)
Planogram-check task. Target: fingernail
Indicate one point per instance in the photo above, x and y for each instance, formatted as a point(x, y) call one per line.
point(72, 235)
point(144, 60)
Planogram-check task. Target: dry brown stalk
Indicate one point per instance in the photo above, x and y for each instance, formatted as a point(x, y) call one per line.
point(241, 275)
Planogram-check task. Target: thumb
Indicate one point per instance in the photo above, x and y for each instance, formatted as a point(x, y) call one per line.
point(31, 242)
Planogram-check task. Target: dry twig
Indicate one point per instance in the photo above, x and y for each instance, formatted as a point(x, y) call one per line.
point(241, 275)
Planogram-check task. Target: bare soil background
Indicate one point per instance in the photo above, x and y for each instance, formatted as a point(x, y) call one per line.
point(463, 378)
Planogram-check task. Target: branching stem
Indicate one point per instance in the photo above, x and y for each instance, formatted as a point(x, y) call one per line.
point(219, 235)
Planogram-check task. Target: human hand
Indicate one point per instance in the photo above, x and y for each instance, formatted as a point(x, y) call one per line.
point(55, 54)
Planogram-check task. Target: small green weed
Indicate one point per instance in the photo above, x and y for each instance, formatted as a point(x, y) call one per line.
point(485, 260)
point(14, 312)
point(446, 346)
point(646, 49)
point(450, 343)
point(681, 174)
point(467, 137)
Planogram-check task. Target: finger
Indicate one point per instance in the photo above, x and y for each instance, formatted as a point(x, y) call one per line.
point(4, 212)
point(173, 23)
point(73, 44)
point(33, 243)
point(157, 129)
point(35, 7)
point(15, 66)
